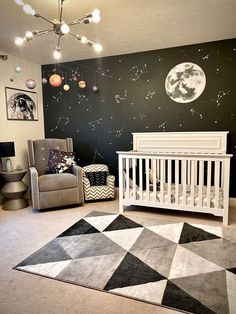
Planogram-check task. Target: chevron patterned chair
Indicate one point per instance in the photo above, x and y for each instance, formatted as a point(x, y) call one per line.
point(98, 183)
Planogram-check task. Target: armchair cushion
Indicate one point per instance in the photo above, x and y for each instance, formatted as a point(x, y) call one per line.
point(56, 181)
point(97, 178)
point(60, 161)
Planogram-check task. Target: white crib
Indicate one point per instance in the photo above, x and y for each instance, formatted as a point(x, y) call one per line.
point(176, 170)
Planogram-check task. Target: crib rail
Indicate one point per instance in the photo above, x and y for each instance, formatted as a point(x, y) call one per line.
point(191, 182)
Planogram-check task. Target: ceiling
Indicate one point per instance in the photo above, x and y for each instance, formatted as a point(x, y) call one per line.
point(126, 26)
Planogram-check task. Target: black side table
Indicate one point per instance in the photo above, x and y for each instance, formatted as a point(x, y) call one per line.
point(14, 189)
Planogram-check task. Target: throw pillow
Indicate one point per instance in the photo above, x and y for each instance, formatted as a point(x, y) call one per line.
point(60, 161)
point(97, 178)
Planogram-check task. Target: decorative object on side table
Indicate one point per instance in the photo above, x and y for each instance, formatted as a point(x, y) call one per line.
point(14, 189)
point(7, 149)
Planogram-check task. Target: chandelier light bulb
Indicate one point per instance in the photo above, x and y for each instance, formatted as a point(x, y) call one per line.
point(28, 9)
point(96, 16)
point(98, 47)
point(57, 54)
point(65, 29)
point(19, 41)
point(84, 40)
point(29, 35)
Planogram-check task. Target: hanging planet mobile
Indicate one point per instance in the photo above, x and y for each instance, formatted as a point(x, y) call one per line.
point(185, 82)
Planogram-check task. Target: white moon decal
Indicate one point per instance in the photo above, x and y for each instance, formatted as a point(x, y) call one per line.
point(185, 82)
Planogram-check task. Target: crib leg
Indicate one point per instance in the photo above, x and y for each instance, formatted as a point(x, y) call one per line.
point(226, 217)
point(121, 207)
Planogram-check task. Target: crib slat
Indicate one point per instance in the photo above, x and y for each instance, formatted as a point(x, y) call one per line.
point(134, 177)
point(154, 171)
point(176, 181)
point(209, 183)
point(169, 171)
point(193, 172)
point(184, 174)
point(188, 172)
point(141, 178)
point(162, 165)
point(201, 174)
point(127, 177)
point(147, 179)
point(226, 165)
point(217, 183)
point(158, 169)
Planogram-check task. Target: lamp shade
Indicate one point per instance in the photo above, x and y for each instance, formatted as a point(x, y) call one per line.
point(7, 149)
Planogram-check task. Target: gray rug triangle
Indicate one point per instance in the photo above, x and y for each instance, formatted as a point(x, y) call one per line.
point(51, 252)
point(122, 222)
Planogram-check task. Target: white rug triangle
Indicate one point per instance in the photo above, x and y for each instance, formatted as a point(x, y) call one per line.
point(151, 292)
point(171, 232)
point(100, 222)
point(47, 269)
point(211, 229)
point(186, 263)
point(124, 238)
point(231, 288)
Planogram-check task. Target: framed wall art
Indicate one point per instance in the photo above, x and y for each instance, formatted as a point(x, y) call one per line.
point(21, 104)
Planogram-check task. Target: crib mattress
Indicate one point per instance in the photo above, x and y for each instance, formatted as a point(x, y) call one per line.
point(144, 196)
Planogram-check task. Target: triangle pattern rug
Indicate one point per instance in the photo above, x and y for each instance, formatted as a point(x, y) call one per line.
point(183, 266)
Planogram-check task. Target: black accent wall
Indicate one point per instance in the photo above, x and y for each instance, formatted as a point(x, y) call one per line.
point(131, 97)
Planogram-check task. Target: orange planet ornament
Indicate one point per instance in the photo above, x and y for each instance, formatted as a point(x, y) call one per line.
point(82, 84)
point(55, 80)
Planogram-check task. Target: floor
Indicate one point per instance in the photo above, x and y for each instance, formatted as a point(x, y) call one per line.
point(23, 232)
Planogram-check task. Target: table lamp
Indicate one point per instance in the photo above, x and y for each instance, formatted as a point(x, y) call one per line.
point(7, 149)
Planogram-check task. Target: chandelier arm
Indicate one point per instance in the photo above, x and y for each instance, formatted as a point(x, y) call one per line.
point(44, 18)
point(58, 42)
point(43, 32)
point(61, 10)
point(78, 21)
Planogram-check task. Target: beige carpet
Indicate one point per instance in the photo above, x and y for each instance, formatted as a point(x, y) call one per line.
point(23, 232)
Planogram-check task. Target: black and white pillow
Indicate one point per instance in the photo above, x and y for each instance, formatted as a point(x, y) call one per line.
point(97, 178)
point(60, 162)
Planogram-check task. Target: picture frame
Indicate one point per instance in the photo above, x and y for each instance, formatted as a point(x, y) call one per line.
point(21, 104)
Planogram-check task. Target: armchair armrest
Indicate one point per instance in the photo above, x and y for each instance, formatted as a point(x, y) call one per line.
point(78, 172)
point(34, 187)
point(110, 180)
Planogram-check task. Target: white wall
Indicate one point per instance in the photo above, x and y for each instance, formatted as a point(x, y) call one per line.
point(20, 131)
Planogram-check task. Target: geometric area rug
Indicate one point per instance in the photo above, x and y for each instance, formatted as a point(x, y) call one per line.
point(187, 267)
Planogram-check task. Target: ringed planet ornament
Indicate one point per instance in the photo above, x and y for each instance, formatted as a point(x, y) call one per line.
point(18, 69)
point(66, 87)
point(55, 80)
point(30, 83)
point(82, 84)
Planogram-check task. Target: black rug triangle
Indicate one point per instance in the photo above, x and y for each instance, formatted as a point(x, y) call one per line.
point(51, 252)
point(80, 227)
point(232, 270)
point(132, 271)
point(177, 298)
point(193, 234)
point(122, 222)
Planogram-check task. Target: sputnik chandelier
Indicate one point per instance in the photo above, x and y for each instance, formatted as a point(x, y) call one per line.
point(59, 27)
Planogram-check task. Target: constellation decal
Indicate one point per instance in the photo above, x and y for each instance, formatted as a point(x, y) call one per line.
point(59, 121)
point(103, 72)
point(220, 95)
point(95, 123)
point(195, 112)
point(97, 154)
point(81, 98)
point(206, 57)
point(162, 126)
point(142, 116)
point(159, 59)
point(137, 72)
point(150, 95)
point(119, 98)
point(57, 96)
point(118, 133)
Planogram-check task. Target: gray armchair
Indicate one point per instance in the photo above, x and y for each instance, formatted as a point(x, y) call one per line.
point(57, 189)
